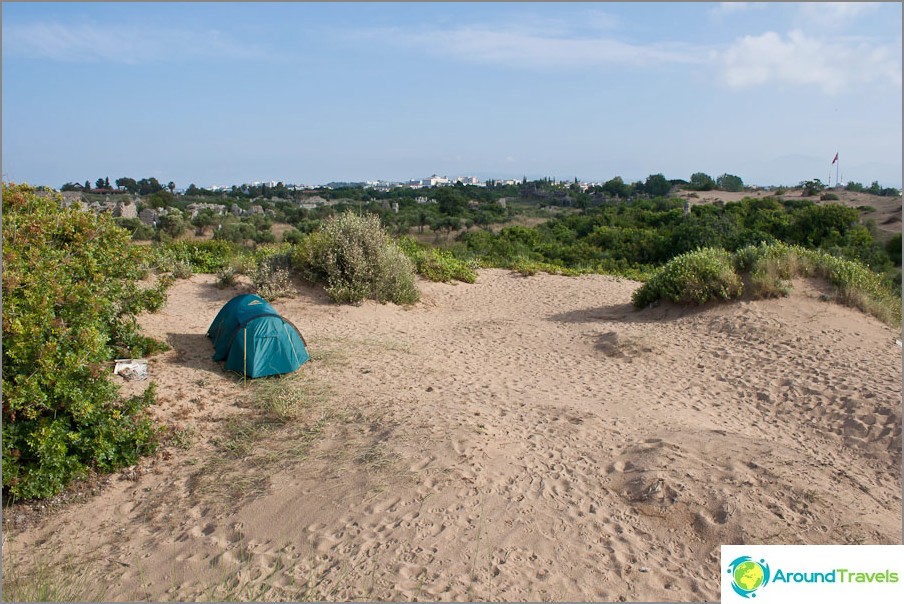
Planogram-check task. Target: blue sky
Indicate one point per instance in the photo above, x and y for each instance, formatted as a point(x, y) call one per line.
point(210, 93)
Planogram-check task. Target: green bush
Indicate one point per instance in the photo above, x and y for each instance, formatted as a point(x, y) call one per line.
point(71, 294)
point(203, 256)
point(355, 259)
point(438, 265)
point(692, 278)
point(709, 274)
point(828, 197)
point(893, 247)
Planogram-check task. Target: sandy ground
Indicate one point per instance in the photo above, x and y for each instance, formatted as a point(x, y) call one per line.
point(515, 439)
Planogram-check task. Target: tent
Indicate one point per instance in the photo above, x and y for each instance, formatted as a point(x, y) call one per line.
point(255, 340)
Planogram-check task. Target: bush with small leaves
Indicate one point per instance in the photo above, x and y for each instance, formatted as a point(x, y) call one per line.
point(355, 259)
point(695, 277)
point(271, 279)
point(71, 294)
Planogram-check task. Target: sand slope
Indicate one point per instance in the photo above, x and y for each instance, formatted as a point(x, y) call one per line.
point(515, 439)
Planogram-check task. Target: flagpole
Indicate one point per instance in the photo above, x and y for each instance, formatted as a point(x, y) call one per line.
point(837, 166)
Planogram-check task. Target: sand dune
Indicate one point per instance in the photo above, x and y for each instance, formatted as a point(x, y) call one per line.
point(515, 439)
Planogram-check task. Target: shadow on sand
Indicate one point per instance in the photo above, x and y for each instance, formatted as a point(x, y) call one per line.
point(626, 313)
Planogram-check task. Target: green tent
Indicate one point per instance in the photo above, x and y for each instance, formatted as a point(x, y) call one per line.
point(255, 340)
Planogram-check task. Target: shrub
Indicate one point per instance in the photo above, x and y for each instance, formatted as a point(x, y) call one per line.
point(226, 277)
point(70, 298)
point(182, 269)
point(828, 197)
point(203, 256)
point(893, 247)
point(772, 266)
point(355, 259)
point(436, 264)
point(692, 278)
point(271, 278)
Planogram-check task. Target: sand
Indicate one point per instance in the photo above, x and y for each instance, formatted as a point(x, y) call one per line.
point(520, 438)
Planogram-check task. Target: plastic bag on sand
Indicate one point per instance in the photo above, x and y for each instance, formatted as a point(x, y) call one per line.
point(131, 369)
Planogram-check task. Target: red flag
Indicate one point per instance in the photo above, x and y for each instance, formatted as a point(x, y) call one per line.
point(836, 158)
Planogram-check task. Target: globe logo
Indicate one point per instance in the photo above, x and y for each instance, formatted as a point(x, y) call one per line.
point(748, 575)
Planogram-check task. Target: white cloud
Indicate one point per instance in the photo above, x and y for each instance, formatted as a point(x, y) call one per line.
point(801, 60)
point(527, 48)
point(91, 43)
point(729, 8)
point(833, 14)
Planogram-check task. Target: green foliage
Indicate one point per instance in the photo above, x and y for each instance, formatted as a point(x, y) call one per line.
point(202, 256)
point(730, 182)
point(355, 259)
point(855, 284)
point(712, 274)
point(656, 185)
point(438, 265)
point(812, 187)
point(828, 197)
point(70, 297)
point(700, 181)
point(893, 247)
point(693, 278)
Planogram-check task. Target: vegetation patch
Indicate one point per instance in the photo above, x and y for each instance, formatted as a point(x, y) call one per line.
point(355, 259)
point(693, 278)
point(713, 274)
point(71, 295)
point(438, 264)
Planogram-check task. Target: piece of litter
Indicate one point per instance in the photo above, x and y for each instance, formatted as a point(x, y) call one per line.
point(898, 342)
point(644, 569)
point(131, 369)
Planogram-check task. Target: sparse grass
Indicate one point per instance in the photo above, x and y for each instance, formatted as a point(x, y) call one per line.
point(183, 438)
point(772, 266)
point(285, 418)
point(46, 581)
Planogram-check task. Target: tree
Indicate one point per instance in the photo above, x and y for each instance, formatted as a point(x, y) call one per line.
point(449, 201)
point(812, 187)
point(160, 199)
point(172, 223)
point(107, 182)
point(874, 188)
point(99, 184)
point(730, 182)
point(128, 184)
point(87, 185)
point(657, 186)
point(700, 181)
point(172, 187)
point(146, 186)
point(616, 187)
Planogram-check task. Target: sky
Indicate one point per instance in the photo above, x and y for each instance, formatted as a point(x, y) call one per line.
point(309, 93)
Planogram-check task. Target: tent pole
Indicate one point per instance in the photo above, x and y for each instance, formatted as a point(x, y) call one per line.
point(245, 359)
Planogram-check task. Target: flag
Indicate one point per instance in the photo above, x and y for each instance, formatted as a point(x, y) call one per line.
point(836, 158)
